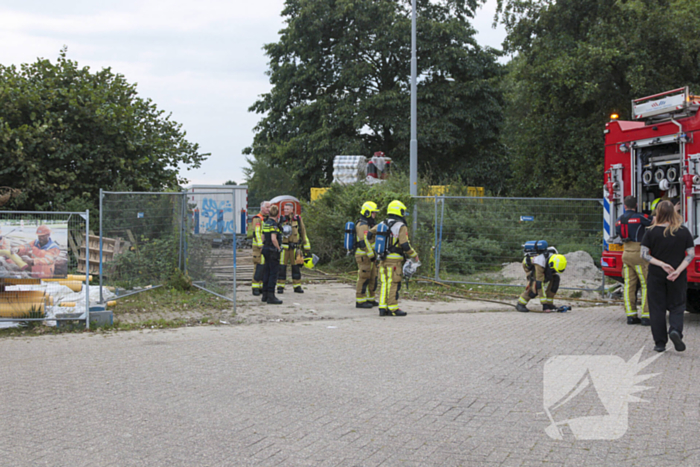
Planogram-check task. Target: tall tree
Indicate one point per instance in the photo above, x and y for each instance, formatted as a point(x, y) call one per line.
point(341, 76)
point(577, 61)
point(66, 132)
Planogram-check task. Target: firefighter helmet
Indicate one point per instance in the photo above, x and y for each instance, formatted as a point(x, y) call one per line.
point(655, 203)
point(368, 208)
point(557, 263)
point(397, 208)
point(310, 261)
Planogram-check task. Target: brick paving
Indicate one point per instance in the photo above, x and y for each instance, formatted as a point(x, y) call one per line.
point(442, 389)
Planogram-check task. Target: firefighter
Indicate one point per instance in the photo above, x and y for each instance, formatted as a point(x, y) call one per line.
point(292, 249)
point(398, 248)
point(542, 269)
point(258, 259)
point(630, 227)
point(365, 257)
point(41, 254)
point(272, 240)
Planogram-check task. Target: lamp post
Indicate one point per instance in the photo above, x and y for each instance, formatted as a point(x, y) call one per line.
point(414, 106)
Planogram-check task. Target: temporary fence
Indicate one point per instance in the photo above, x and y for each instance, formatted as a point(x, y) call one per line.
point(44, 273)
point(479, 240)
point(148, 240)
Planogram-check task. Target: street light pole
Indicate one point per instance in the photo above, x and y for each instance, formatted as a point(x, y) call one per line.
point(414, 106)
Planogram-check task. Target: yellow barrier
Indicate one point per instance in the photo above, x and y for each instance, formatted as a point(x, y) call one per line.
point(316, 193)
point(438, 190)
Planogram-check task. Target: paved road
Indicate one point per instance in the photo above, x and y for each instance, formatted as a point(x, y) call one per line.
point(444, 389)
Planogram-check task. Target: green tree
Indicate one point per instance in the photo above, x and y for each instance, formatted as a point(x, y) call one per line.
point(577, 62)
point(341, 79)
point(66, 132)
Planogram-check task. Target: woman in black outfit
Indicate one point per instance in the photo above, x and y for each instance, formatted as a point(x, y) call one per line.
point(668, 247)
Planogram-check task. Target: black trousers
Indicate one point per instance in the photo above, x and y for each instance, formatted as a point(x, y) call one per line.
point(663, 295)
point(272, 266)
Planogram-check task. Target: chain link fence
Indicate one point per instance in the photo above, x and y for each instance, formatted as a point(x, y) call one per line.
point(148, 240)
point(44, 267)
point(478, 240)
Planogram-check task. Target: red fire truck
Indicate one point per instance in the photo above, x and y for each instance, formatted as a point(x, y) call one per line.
point(656, 155)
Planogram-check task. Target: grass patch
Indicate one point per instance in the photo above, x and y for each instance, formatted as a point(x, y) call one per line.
point(170, 300)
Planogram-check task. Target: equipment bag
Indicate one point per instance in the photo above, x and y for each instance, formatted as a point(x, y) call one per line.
point(349, 240)
point(380, 244)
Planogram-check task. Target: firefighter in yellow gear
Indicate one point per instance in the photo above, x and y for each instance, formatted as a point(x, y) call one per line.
point(365, 257)
point(258, 238)
point(292, 247)
point(398, 248)
point(540, 270)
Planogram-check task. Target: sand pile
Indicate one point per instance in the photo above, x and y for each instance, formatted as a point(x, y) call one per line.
point(580, 272)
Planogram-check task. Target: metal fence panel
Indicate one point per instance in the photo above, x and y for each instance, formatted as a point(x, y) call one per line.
point(146, 238)
point(44, 266)
point(478, 240)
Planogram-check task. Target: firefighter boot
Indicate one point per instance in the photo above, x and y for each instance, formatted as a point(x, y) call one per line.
point(298, 289)
point(547, 307)
point(264, 296)
point(397, 312)
point(256, 292)
point(645, 322)
point(280, 289)
point(363, 305)
point(522, 308)
point(272, 300)
point(373, 302)
point(383, 312)
point(633, 320)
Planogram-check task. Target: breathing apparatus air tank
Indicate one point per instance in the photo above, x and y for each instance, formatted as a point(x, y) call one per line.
point(380, 241)
point(535, 247)
point(349, 239)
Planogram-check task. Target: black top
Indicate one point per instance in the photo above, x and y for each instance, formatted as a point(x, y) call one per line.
point(670, 249)
point(631, 226)
point(270, 228)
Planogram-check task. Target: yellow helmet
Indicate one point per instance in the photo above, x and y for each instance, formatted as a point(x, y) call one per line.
point(368, 208)
point(654, 203)
point(557, 263)
point(397, 208)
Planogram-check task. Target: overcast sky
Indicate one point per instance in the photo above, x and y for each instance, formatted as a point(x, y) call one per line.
point(201, 60)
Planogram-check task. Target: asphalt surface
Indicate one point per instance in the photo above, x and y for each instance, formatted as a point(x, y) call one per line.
point(428, 389)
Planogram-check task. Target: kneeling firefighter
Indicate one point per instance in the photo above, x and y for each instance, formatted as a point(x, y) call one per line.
point(542, 265)
point(292, 249)
point(365, 257)
point(258, 258)
point(392, 246)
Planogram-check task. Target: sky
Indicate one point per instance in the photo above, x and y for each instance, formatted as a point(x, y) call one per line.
point(201, 60)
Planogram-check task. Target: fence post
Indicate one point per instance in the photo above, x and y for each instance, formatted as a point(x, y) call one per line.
point(234, 207)
point(87, 269)
point(435, 236)
point(183, 213)
point(439, 249)
point(101, 297)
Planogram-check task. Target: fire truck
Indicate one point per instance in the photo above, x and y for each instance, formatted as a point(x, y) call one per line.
point(654, 156)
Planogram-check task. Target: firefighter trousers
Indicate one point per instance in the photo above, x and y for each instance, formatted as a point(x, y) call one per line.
point(390, 276)
point(366, 279)
point(534, 287)
point(635, 272)
point(289, 258)
point(258, 267)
